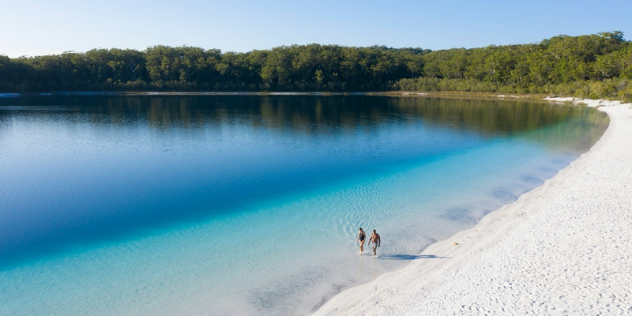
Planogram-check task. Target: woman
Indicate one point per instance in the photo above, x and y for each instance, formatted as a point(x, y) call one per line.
point(361, 238)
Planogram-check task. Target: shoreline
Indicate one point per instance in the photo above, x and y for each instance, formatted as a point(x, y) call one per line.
point(532, 98)
point(563, 247)
point(261, 93)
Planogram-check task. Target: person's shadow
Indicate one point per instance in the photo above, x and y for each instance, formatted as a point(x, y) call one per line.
point(408, 257)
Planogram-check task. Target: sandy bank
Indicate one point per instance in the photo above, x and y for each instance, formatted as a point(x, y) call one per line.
point(563, 248)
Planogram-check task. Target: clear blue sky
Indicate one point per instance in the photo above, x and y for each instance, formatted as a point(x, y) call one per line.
point(37, 27)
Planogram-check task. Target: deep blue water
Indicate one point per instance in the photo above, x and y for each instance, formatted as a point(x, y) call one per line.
point(249, 204)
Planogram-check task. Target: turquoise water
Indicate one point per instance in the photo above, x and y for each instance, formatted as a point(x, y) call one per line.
point(244, 205)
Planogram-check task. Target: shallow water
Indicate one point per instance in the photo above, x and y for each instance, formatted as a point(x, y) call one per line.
point(249, 204)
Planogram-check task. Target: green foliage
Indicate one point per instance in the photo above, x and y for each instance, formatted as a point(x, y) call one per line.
point(287, 68)
point(598, 65)
point(592, 66)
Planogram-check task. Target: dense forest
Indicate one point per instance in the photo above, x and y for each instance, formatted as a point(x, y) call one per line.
point(598, 65)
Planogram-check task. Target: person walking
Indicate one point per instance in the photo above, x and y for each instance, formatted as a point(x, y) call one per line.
point(361, 238)
point(376, 241)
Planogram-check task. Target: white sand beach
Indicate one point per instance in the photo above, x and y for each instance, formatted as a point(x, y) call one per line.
point(563, 248)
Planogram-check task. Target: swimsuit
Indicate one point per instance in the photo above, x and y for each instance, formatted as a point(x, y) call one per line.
point(362, 235)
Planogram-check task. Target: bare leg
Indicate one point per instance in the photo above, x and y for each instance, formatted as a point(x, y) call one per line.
point(361, 247)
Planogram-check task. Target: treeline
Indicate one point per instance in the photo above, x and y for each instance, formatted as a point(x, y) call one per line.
point(287, 68)
point(597, 65)
point(585, 66)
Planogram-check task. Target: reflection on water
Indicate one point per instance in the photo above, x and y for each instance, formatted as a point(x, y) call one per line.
point(306, 114)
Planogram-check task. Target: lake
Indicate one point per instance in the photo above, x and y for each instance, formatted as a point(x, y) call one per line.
point(250, 205)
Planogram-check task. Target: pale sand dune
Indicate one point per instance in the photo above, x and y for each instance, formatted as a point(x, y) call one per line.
point(563, 248)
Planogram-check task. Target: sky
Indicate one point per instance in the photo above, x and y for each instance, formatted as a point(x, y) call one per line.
point(42, 27)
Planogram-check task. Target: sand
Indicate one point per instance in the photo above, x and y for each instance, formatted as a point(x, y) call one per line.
point(563, 248)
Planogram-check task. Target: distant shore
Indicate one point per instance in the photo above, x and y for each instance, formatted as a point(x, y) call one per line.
point(561, 248)
point(429, 94)
point(324, 93)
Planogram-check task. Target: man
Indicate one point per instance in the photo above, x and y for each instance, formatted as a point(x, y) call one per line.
point(375, 239)
point(361, 238)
